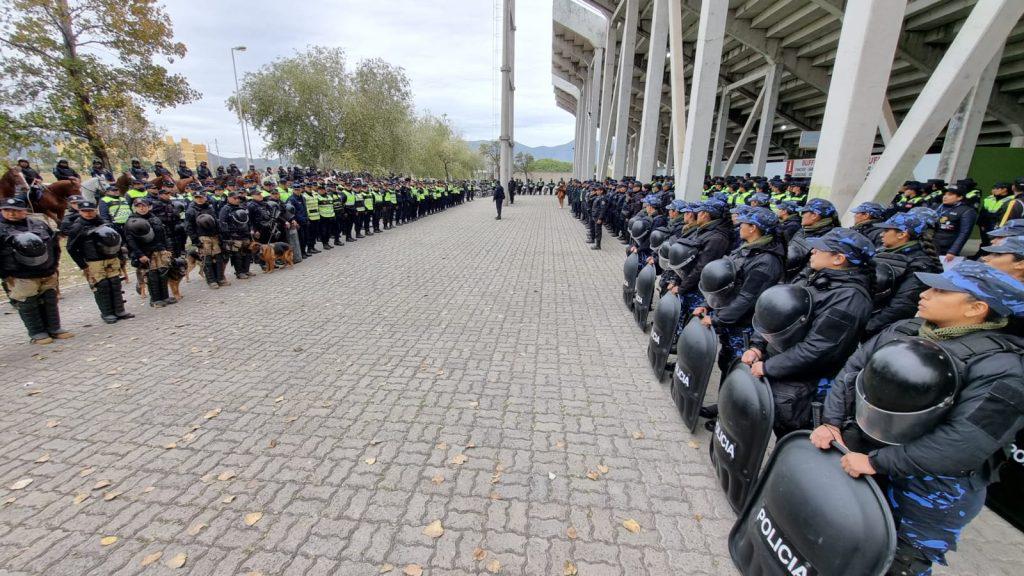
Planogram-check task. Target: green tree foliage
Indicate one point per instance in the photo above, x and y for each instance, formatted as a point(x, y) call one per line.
point(69, 65)
point(523, 162)
point(550, 165)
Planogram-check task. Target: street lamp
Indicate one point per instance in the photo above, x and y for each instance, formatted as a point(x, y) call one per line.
point(238, 99)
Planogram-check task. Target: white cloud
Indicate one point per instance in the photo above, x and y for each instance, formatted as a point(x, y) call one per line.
point(445, 48)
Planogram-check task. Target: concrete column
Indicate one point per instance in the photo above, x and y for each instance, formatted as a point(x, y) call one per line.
point(631, 153)
point(577, 142)
point(1016, 136)
point(677, 69)
point(887, 127)
point(625, 91)
point(707, 62)
point(965, 126)
point(508, 60)
point(607, 90)
point(651, 116)
point(741, 141)
point(981, 36)
point(764, 132)
point(860, 77)
point(669, 154)
point(721, 131)
point(593, 111)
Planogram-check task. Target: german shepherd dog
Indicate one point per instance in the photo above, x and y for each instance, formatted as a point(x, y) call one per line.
point(269, 254)
point(180, 269)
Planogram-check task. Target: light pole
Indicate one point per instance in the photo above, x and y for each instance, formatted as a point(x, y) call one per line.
point(238, 99)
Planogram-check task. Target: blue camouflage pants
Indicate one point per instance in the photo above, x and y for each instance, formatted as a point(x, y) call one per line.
point(734, 342)
point(930, 512)
point(688, 302)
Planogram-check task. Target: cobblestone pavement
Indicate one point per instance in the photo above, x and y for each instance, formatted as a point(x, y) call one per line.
point(455, 369)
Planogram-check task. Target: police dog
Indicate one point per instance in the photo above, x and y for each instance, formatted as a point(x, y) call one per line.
point(270, 253)
point(180, 269)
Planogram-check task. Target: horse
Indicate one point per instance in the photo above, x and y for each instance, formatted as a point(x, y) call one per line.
point(182, 185)
point(94, 188)
point(52, 203)
point(123, 183)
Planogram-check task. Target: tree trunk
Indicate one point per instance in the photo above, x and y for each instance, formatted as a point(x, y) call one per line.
point(82, 98)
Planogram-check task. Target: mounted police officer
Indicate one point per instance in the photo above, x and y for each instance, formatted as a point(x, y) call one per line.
point(32, 177)
point(149, 251)
point(101, 172)
point(184, 171)
point(928, 406)
point(64, 171)
point(137, 171)
point(29, 257)
point(159, 170)
point(97, 250)
point(817, 217)
point(233, 221)
point(203, 171)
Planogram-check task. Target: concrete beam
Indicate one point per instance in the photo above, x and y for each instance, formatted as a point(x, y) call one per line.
point(677, 68)
point(625, 87)
point(648, 140)
point(965, 126)
point(767, 126)
point(581, 21)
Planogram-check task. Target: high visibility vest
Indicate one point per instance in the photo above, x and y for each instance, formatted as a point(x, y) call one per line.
point(312, 206)
point(134, 195)
point(993, 205)
point(325, 206)
point(350, 199)
point(360, 203)
point(337, 201)
point(117, 208)
point(390, 197)
point(368, 200)
point(285, 193)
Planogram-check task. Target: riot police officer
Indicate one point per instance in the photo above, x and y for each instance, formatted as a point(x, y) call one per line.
point(184, 171)
point(97, 250)
point(29, 257)
point(260, 218)
point(817, 217)
point(1007, 256)
point(203, 230)
point(598, 212)
point(233, 221)
point(789, 219)
point(71, 215)
point(711, 234)
point(865, 216)
point(149, 251)
point(903, 253)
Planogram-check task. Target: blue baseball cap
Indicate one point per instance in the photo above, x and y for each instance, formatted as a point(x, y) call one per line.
point(854, 245)
point(906, 222)
point(1013, 227)
point(1003, 293)
point(873, 209)
point(716, 208)
point(740, 208)
point(1012, 245)
point(819, 206)
point(759, 216)
point(679, 205)
point(653, 200)
point(760, 197)
point(14, 204)
point(788, 206)
point(925, 213)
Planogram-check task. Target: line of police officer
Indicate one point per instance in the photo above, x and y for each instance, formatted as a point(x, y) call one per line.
point(859, 333)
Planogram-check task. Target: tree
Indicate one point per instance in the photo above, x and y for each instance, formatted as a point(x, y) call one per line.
point(491, 150)
point(67, 64)
point(550, 165)
point(522, 163)
point(128, 135)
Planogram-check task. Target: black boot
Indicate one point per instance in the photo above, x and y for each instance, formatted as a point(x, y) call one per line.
point(238, 263)
point(101, 292)
point(246, 262)
point(219, 265)
point(164, 290)
point(210, 271)
point(117, 299)
point(32, 317)
point(51, 315)
point(155, 285)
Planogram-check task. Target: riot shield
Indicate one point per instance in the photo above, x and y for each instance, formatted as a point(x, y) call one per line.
point(809, 517)
point(645, 282)
point(1005, 497)
point(696, 352)
point(293, 241)
point(742, 432)
point(629, 271)
point(663, 330)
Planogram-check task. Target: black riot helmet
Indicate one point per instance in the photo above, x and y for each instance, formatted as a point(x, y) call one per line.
point(718, 282)
point(289, 213)
point(663, 254)
point(107, 240)
point(240, 216)
point(640, 228)
point(905, 389)
point(29, 249)
point(207, 224)
point(139, 228)
point(889, 270)
point(682, 254)
point(782, 315)
point(658, 236)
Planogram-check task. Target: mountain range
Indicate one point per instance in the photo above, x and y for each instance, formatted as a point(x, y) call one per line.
point(561, 152)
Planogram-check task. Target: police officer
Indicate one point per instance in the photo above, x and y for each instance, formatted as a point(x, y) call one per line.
point(98, 171)
point(1008, 230)
point(203, 230)
point(260, 219)
point(314, 219)
point(70, 215)
point(32, 177)
point(1007, 256)
point(63, 171)
point(598, 213)
point(137, 171)
point(29, 257)
point(711, 232)
point(338, 203)
point(301, 210)
point(203, 171)
point(164, 208)
point(998, 208)
point(184, 171)
point(956, 220)
point(903, 253)
point(801, 368)
point(148, 249)
point(114, 210)
point(788, 212)
point(498, 195)
point(97, 250)
point(233, 221)
point(865, 216)
point(817, 218)
point(328, 217)
point(954, 428)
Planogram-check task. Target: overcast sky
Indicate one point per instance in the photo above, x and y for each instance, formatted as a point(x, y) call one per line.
point(445, 47)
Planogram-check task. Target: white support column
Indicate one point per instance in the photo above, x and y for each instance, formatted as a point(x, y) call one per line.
point(1016, 136)
point(677, 69)
point(764, 131)
point(651, 113)
point(981, 36)
point(577, 143)
point(887, 127)
point(860, 77)
point(607, 90)
point(707, 62)
point(625, 88)
point(669, 154)
point(741, 141)
point(508, 60)
point(965, 126)
point(593, 111)
point(634, 145)
point(721, 131)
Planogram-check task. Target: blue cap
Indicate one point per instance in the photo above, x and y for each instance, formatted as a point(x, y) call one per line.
point(761, 198)
point(906, 222)
point(1012, 245)
point(143, 200)
point(653, 199)
point(679, 205)
point(854, 245)
point(13, 204)
point(1013, 227)
point(1003, 293)
point(925, 213)
point(740, 209)
point(819, 206)
point(716, 208)
point(873, 209)
point(759, 216)
point(788, 206)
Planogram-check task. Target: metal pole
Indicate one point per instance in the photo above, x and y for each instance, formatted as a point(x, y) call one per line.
point(241, 117)
point(507, 91)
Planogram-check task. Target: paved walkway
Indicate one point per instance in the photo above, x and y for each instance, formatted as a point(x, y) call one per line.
point(455, 369)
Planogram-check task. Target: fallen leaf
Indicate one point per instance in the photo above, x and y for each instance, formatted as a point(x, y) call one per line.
point(195, 529)
point(593, 475)
point(188, 437)
point(81, 497)
point(495, 478)
point(370, 461)
point(228, 499)
point(101, 484)
point(86, 472)
point(479, 554)
point(278, 399)
point(441, 446)
point(551, 475)
point(494, 496)
point(698, 517)
point(559, 445)
point(413, 570)
point(459, 459)
point(494, 566)
point(20, 484)
point(148, 489)
point(638, 435)
point(226, 475)
point(206, 478)
point(385, 568)
point(572, 533)
point(602, 468)
point(471, 445)
point(108, 540)
point(34, 392)
point(111, 495)
point(114, 386)
point(437, 479)
point(252, 518)
point(328, 405)
point(52, 423)
point(146, 561)
point(291, 419)
point(434, 529)
point(177, 561)
point(170, 446)
point(693, 444)
point(631, 525)
point(272, 443)
point(212, 413)
point(570, 569)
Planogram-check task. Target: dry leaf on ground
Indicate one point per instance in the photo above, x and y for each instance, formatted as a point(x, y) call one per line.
point(101, 484)
point(479, 554)
point(228, 499)
point(147, 560)
point(638, 435)
point(195, 529)
point(226, 475)
point(559, 445)
point(148, 489)
point(20, 484)
point(693, 444)
point(81, 497)
point(212, 413)
point(279, 399)
point(413, 570)
point(170, 446)
point(85, 472)
point(437, 479)
point(494, 566)
point(593, 475)
point(570, 569)
point(52, 423)
point(441, 446)
point(434, 529)
point(370, 461)
point(459, 459)
point(631, 525)
point(252, 518)
point(602, 469)
point(43, 458)
point(177, 561)
point(34, 392)
point(108, 540)
point(572, 533)
point(111, 495)
point(385, 568)
point(272, 443)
